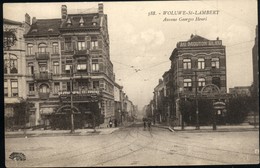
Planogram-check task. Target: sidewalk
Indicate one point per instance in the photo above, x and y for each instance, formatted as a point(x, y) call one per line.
point(78, 132)
point(220, 128)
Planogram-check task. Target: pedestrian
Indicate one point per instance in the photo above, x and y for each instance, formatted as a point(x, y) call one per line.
point(144, 123)
point(149, 124)
point(115, 122)
point(110, 123)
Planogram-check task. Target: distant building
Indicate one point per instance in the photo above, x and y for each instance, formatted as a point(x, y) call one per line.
point(240, 91)
point(255, 60)
point(159, 113)
point(119, 100)
point(198, 66)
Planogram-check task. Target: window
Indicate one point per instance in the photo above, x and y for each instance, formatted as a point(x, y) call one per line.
point(56, 67)
point(186, 63)
point(56, 87)
point(13, 64)
point(55, 48)
point(81, 45)
point(44, 88)
point(6, 88)
point(82, 66)
point(215, 62)
point(216, 81)
point(31, 88)
point(187, 84)
point(30, 49)
point(5, 66)
point(201, 83)
point(42, 48)
point(201, 63)
point(68, 86)
point(95, 66)
point(30, 68)
point(95, 84)
point(43, 67)
point(68, 45)
point(14, 88)
point(94, 43)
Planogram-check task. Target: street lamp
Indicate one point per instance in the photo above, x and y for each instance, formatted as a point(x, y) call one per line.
point(196, 99)
point(71, 100)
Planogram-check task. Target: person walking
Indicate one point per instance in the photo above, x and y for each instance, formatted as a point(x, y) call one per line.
point(110, 123)
point(115, 122)
point(149, 124)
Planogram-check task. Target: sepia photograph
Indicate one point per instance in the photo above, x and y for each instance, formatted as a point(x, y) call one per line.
point(134, 83)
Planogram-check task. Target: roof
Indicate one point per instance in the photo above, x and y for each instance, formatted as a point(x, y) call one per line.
point(75, 19)
point(8, 21)
point(197, 38)
point(45, 27)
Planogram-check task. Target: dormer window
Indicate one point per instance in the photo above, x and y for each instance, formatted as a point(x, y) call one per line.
point(34, 30)
point(50, 30)
point(69, 22)
point(81, 21)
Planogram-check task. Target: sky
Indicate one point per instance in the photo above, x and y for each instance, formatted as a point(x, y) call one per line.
point(141, 44)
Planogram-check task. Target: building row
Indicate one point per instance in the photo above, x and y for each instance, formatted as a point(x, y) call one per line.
point(197, 75)
point(198, 71)
point(55, 66)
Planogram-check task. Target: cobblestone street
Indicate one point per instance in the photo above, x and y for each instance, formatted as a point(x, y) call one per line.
point(134, 146)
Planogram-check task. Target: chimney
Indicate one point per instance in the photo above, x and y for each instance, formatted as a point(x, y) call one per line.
point(27, 19)
point(100, 8)
point(191, 35)
point(217, 38)
point(63, 12)
point(34, 20)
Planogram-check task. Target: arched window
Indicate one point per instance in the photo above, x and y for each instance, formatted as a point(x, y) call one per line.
point(187, 84)
point(215, 62)
point(216, 81)
point(55, 48)
point(30, 49)
point(13, 64)
point(201, 63)
point(201, 83)
point(186, 63)
point(42, 48)
point(44, 88)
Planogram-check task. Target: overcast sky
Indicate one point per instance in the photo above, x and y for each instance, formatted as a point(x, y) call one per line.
point(140, 45)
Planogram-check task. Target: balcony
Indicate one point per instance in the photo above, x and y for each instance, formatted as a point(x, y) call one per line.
point(81, 53)
point(80, 96)
point(188, 71)
point(42, 56)
point(215, 70)
point(42, 76)
point(44, 96)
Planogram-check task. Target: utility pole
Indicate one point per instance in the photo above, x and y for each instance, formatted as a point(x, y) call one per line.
point(196, 99)
point(71, 101)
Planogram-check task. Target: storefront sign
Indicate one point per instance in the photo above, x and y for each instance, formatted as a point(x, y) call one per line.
point(200, 43)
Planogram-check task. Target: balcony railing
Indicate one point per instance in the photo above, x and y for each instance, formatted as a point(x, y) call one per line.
point(81, 52)
point(43, 76)
point(215, 70)
point(42, 56)
point(44, 96)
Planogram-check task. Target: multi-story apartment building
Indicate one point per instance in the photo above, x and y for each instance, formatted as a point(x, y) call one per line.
point(14, 71)
point(118, 101)
point(68, 59)
point(159, 114)
point(199, 69)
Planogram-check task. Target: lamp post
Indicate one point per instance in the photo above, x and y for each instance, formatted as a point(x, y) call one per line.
point(196, 99)
point(71, 101)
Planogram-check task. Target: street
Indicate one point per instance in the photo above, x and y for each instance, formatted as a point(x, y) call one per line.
point(134, 146)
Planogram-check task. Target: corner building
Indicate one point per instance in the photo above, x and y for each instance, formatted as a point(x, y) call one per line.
point(198, 66)
point(70, 56)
